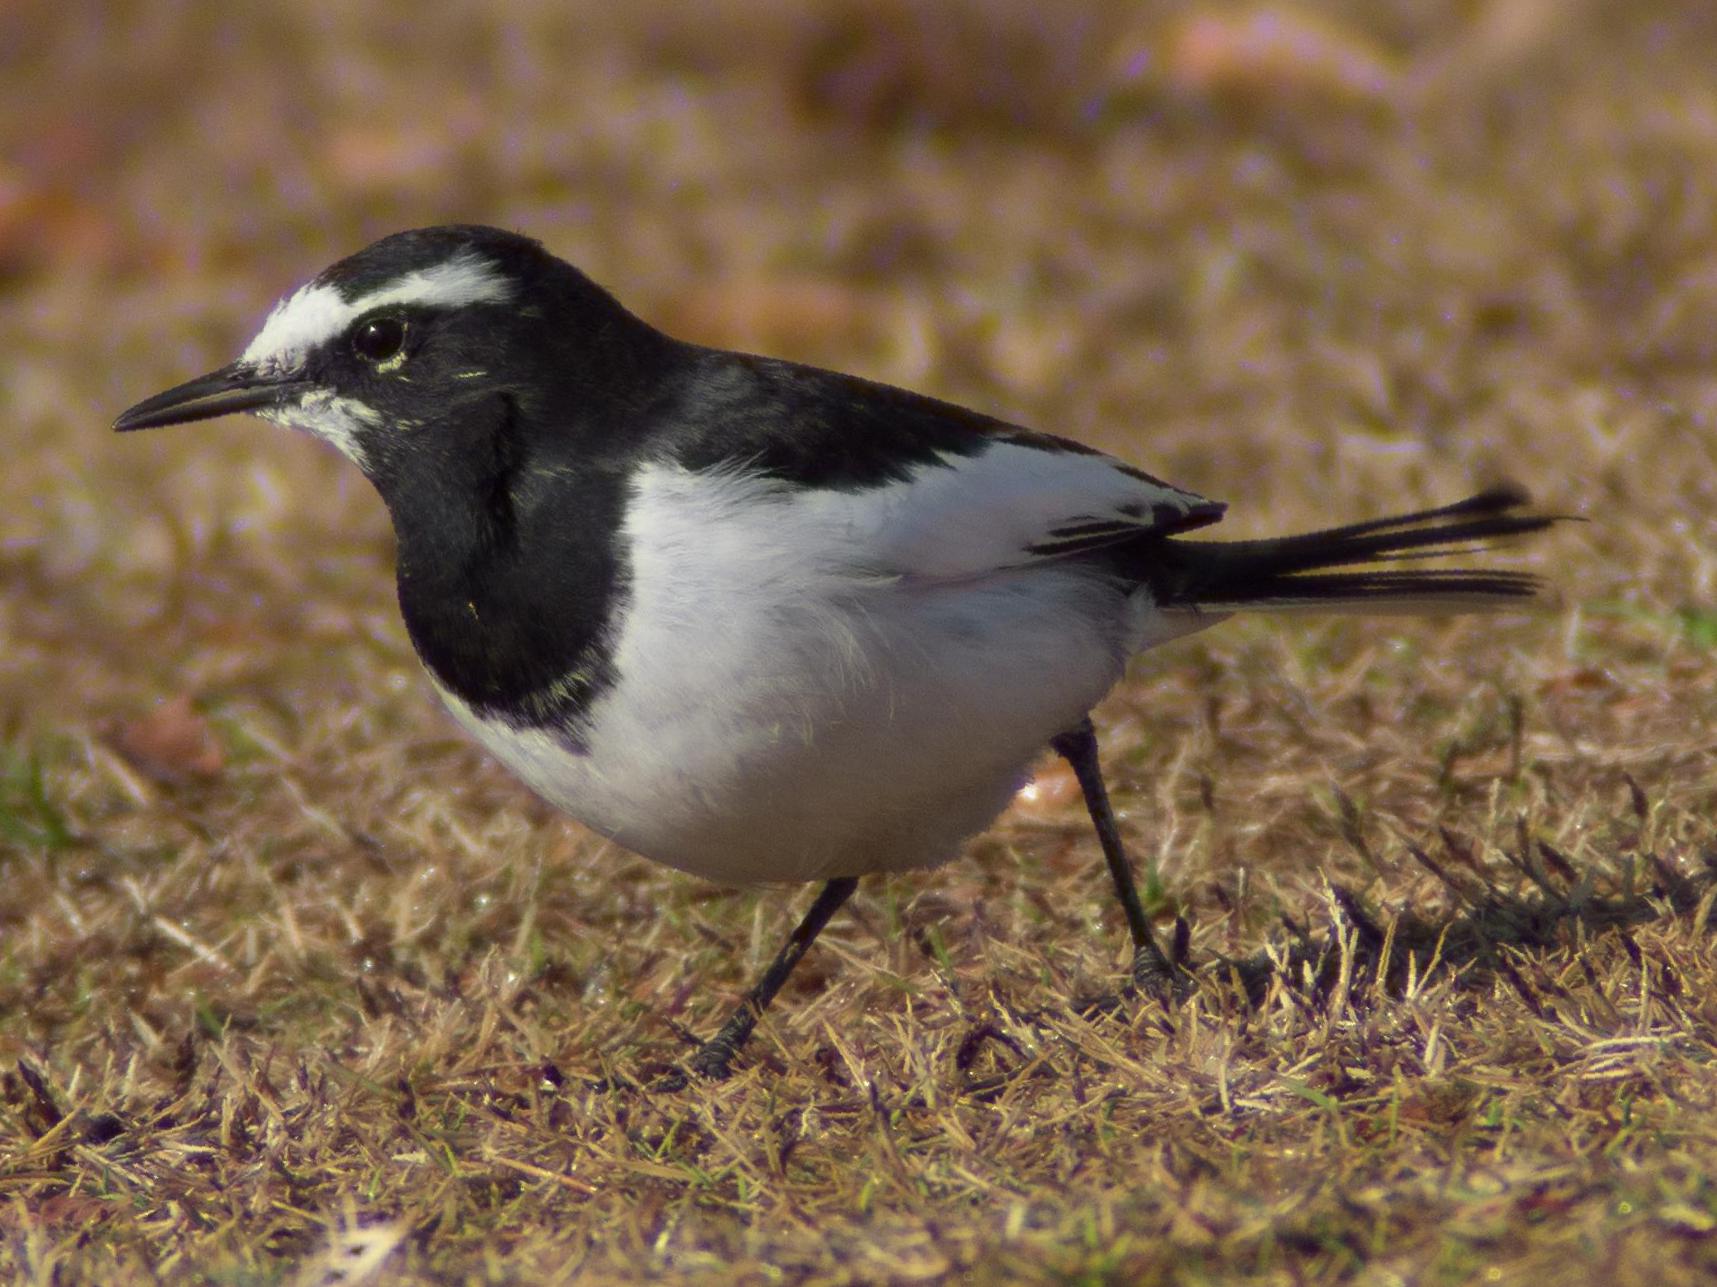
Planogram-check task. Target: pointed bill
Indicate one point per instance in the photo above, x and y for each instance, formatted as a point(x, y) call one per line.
point(239, 386)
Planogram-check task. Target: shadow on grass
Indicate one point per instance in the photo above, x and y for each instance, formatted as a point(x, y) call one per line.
point(1479, 943)
point(1358, 961)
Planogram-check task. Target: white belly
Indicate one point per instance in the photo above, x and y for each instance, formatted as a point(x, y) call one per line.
point(779, 714)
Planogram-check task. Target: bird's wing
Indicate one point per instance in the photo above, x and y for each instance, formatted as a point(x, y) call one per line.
point(896, 483)
point(1019, 499)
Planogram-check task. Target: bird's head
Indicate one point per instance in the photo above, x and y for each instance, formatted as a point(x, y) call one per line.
point(405, 342)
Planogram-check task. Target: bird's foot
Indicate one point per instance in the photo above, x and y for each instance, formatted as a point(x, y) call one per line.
point(711, 1061)
point(1168, 982)
point(1155, 976)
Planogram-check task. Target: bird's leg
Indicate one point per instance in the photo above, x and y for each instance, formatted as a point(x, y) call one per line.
point(712, 1058)
point(1153, 972)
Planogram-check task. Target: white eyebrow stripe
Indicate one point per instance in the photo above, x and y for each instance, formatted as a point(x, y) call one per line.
point(298, 323)
point(464, 279)
point(315, 314)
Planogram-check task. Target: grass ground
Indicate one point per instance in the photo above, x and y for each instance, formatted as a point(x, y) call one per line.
point(295, 986)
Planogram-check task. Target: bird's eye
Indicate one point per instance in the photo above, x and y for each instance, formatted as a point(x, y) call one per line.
point(378, 338)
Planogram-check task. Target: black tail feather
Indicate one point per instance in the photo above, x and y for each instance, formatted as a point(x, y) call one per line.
point(1290, 571)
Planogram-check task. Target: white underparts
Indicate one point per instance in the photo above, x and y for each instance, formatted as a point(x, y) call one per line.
point(812, 683)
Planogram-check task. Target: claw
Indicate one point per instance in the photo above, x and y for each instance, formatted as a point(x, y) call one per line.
point(1168, 982)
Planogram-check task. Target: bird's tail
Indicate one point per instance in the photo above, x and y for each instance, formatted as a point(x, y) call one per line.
point(1293, 572)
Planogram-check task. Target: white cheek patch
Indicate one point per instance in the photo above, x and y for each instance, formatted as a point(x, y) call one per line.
point(315, 314)
point(336, 420)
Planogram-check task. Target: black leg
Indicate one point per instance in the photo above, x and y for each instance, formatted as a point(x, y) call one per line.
point(1152, 969)
point(713, 1056)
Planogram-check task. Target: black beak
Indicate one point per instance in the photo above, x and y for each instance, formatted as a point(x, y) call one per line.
point(237, 387)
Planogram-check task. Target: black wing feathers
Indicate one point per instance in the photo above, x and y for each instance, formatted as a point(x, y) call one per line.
point(1290, 571)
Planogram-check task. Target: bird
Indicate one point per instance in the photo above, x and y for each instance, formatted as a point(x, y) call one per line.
point(758, 621)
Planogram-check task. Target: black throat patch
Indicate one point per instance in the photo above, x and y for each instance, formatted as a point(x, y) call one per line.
point(510, 576)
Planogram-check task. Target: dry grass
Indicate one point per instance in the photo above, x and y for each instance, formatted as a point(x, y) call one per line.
point(296, 987)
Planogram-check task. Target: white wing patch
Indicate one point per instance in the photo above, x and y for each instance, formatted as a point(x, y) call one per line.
point(317, 313)
point(1009, 505)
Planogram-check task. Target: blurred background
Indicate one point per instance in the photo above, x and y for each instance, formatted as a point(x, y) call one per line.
point(1322, 259)
point(1344, 255)
point(1319, 259)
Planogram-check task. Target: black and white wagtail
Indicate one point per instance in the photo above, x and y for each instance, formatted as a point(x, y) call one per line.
point(755, 620)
